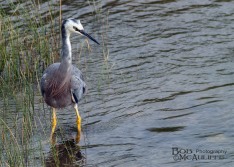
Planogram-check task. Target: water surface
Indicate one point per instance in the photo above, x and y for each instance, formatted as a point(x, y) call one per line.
point(169, 82)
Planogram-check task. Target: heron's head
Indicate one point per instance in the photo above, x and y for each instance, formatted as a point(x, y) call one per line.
point(74, 26)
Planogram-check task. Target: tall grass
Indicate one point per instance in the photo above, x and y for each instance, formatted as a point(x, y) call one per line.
point(27, 46)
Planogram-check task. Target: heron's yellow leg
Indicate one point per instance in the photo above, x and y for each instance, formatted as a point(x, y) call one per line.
point(54, 122)
point(78, 122)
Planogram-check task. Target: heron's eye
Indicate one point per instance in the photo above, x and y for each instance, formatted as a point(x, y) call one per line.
point(76, 29)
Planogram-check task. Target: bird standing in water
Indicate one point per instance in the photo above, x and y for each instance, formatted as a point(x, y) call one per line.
point(62, 84)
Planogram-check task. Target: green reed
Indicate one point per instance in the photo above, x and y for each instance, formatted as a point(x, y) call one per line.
point(27, 46)
point(29, 42)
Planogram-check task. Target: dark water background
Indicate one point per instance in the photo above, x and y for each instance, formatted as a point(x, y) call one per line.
point(169, 83)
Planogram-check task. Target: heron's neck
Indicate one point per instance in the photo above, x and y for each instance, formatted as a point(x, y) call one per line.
point(66, 47)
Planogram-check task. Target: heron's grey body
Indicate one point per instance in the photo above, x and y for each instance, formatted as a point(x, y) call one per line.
point(62, 81)
point(70, 83)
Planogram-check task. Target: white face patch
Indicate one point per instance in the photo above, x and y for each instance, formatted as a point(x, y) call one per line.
point(79, 25)
point(72, 24)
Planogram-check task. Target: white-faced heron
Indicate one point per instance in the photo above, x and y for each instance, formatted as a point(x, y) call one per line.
point(62, 83)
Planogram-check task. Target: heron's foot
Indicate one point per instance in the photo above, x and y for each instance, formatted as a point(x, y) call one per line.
point(78, 123)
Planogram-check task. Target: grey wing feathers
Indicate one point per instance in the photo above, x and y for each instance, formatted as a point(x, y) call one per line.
point(78, 85)
point(47, 73)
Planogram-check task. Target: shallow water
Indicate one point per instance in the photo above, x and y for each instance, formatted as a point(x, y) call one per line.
point(169, 83)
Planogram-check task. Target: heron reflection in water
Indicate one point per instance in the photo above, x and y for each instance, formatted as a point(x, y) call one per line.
point(62, 84)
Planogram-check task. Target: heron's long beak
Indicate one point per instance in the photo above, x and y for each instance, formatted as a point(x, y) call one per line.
point(87, 35)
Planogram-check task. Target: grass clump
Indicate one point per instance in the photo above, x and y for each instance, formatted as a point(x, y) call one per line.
point(25, 47)
point(28, 44)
